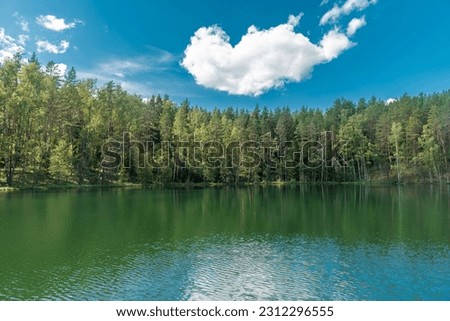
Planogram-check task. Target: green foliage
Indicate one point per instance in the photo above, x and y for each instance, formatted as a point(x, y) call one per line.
point(61, 162)
point(52, 130)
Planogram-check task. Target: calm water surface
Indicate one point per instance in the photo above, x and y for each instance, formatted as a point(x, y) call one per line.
point(292, 243)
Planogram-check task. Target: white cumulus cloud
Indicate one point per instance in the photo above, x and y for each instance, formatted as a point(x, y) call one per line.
point(262, 60)
point(390, 101)
point(355, 24)
point(56, 24)
point(9, 46)
point(45, 46)
point(349, 6)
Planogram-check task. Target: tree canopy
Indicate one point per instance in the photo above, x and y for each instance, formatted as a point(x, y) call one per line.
point(53, 130)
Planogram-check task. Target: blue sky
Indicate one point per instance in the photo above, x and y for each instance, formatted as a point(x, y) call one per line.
point(292, 56)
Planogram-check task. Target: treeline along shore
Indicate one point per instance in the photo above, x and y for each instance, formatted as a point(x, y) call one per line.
point(62, 131)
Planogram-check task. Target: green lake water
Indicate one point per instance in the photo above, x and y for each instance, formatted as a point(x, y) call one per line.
point(288, 243)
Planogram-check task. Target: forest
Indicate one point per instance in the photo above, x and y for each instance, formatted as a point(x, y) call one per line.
point(56, 130)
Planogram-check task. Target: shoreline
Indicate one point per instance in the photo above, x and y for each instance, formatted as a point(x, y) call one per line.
point(45, 188)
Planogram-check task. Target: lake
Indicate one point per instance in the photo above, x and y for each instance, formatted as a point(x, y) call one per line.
point(256, 243)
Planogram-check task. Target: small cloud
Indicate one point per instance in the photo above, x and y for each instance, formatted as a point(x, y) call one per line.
point(24, 26)
point(120, 67)
point(9, 46)
point(262, 60)
point(354, 25)
point(55, 69)
point(333, 15)
point(294, 20)
point(45, 46)
point(390, 101)
point(56, 24)
point(61, 69)
point(156, 60)
point(22, 39)
point(333, 44)
point(22, 22)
